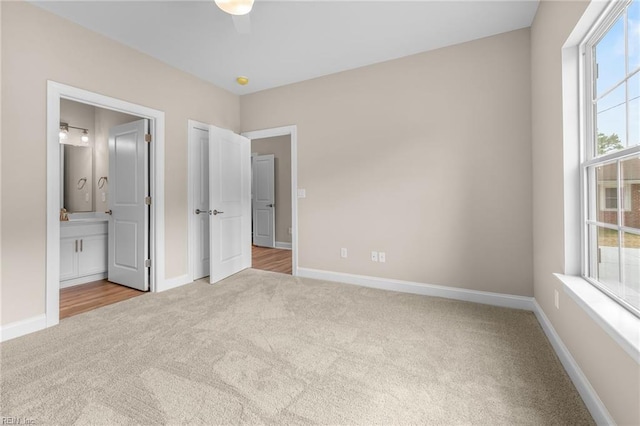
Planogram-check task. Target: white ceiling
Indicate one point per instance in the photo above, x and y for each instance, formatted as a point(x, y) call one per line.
point(291, 41)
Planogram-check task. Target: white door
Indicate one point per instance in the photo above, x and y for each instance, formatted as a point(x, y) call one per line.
point(229, 203)
point(129, 221)
point(199, 151)
point(264, 200)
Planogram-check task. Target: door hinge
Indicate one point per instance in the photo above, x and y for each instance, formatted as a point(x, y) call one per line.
point(147, 263)
point(147, 200)
point(147, 137)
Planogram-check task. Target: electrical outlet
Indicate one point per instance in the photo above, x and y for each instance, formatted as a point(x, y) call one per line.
point(556, 298)
point(374, 256)
point(343, 253)
point(382, 257)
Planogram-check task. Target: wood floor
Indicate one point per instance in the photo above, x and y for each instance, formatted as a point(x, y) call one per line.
point(86, 297)
point(271, 259)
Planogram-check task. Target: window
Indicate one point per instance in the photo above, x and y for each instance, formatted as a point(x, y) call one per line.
point(611, 198)
point(611, 154)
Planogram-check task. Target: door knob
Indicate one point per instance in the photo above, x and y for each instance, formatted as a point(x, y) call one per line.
point(198, 211)
point(270, 205)
point(109, 212)
point(215, 212)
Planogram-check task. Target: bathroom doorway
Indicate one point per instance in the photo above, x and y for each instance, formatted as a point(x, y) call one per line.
point(86, 248)
point(104, 160)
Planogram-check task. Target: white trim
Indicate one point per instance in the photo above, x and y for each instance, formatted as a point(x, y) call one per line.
point(620, 324)
point(483, 297)
point(83, 280)
point(171, 283)
point(591, 399)
point(191, 124)
point(571, 160)
point(55, 92)
point(23, 327)
point(293, 132)
point(283, 245)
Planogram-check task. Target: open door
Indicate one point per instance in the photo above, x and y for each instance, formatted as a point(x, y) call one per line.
point(129, 221)
point(229, 203)
point(199, 152)
point(264, 199)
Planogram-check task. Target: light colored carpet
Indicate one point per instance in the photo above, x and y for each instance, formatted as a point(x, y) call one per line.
point(266, 348)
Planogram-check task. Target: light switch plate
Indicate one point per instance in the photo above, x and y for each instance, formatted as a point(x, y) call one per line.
point(302, 193)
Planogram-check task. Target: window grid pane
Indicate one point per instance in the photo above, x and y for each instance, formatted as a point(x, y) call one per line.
point(631, 269)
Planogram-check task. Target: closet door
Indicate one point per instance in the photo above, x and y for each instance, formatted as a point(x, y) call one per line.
point(229, 203)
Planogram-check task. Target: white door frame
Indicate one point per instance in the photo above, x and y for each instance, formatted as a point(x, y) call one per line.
point(56, 92)
point(291, 131)
point(192, 124)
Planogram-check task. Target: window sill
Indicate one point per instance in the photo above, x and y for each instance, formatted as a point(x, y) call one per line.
point(617, 322)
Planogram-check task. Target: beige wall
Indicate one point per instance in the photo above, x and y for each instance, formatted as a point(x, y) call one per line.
point(280, 147)
point(427, 158)
point(34, 43)
point(614, 375)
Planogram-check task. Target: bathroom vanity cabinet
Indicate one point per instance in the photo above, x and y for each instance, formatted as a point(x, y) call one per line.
point(83, 252)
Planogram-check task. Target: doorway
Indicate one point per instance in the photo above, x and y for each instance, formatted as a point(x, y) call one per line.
point(271, 204)
point(153, 227)
point(275, 224)
point(104, 163)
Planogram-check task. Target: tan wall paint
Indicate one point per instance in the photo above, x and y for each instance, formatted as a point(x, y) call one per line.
point(426, 158)
point(614, 375)
point(280, 147)
point(33, 46)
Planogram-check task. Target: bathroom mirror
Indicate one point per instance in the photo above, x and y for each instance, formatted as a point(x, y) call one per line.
point(78, 178)
point(85, 162)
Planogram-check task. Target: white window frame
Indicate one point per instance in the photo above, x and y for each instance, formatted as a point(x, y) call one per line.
point(589, 158)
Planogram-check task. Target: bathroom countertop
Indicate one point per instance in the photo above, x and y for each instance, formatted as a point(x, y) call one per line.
point(82, 221)
point(88, 217)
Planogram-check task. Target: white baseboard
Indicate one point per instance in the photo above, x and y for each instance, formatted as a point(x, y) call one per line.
point(83, 280)
point(589, 396)
point(283, 245)
point(25, 326)
point(484, 297)
point(170, 283)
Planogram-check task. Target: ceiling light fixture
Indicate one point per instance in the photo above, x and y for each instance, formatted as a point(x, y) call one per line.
point(65, 135)
point(235, 7)
point(242, 80)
